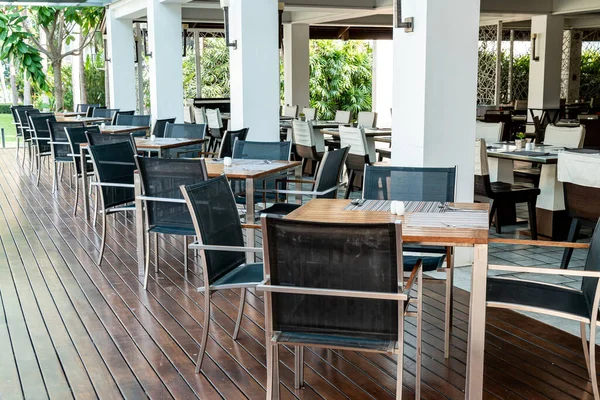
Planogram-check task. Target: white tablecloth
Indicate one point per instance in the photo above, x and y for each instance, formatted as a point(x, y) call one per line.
point(579, 168)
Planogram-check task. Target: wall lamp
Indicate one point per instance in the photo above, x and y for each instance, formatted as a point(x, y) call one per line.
point(534, 55)
point(225, 7)
point(407, 24)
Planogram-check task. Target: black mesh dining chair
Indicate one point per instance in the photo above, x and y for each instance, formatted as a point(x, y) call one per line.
point(325, 186)
point(337, 286)
point(96, 137)
point(105, 113)
point(23, 116)
point(166, 211)
point(418, 184)
point(83, 108)
point(15, 114)
point(160, 125)
point(221, 246)
point(133, 120)
point(61, 149)
point(185, 131)
point(121, 113)
point(77, 137)
point(555, 300)
point(229, 138)
point(40, 135)
point(114, 166)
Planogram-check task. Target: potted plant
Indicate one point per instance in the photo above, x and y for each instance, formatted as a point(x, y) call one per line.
point(520, 140)
point(302, 117)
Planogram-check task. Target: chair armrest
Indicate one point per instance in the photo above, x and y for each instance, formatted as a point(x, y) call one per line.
point(60, 143)
point(251, 226)
point(295, 181)
point(161, 199)
point(546, 271)
point(238, 249)
point(332, 292)
point(541, 243)
point(108, 184)
point(304, 192)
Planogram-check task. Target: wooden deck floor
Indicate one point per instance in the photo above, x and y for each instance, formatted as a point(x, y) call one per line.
point(71, 329)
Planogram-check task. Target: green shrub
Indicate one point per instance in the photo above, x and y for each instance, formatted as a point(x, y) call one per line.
point(5, 108)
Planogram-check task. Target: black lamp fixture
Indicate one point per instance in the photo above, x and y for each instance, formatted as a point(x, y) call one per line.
point(225, 7)
point(407, 24)
point(534, 55)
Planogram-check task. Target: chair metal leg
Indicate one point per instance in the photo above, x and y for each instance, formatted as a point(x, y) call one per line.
point(276, 372)
point(584, 342)
point(76, 201)
point(349, 187)
point(419, 335)
point(202, 349)
point(185, 257)
point(39, 169)
point(23, 159)
point(299, 367)
point(156, 253)
point(54, 178)
point(270, 368)
point(592, 352)
point(95, 208)
point(573, 235)
point(147, 259)
point(238, 322)
point(400, 359)
point(103, 244)
point(532, 218)
point(18, 145)
point(449, 300)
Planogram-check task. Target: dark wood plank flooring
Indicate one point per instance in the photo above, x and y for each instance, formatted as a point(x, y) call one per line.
point(71, 329)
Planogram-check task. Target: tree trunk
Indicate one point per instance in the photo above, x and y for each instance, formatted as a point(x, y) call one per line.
point(26, 89)
point(13, 84)
point(3, 84)
point(59, 94)
point(81, 60)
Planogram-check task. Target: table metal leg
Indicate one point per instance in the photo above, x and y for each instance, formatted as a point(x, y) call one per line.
point(250, 256)
point(139, 224)
point(84, 184)
point(477, 313)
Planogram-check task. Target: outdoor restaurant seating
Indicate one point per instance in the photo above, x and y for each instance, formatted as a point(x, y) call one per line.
point(19, 130)
point(82, 107)
point(290, 111)
point(342, 117)
point(327, 182)
point(221, 248)
point(40, 136)
point(160, 125)
point(61, 149)
point(229, 138)
point(507, 124)
point(337, 286)
point(76, 136)
point(190, 131)
point(559, 301)
point(200, 115)
point(502, 194)
point(361, 153)
point(419, 184)
point(491, 132)
point(114, 165)
point(215, 128)
point(121, 113)
point(564, 136)
point(105, 113)
point(310, 114)
point(133, 120)
point(367, 119)
point(24, 129)
point(166, 212)
point(309, 145)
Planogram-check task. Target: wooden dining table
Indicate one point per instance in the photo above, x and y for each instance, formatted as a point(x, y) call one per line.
point(333, 211)
point(250, 171)
point(85, 120)
point(110, 129)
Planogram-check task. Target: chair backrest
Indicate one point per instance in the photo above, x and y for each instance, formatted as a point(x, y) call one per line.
point(114, 163)
point(229, 138)
point(40, 130)
point(290, 111)
point(309, 113)
point(133, 120)
point(61, 146)
point(491, 132)
point(356, 139)
point(119, 113)
point(357, 257)
point(342, 117)
point(305, 136)
point(160, 126)
point(482, 169)
point(23, 115)
point(105, 113)
point(409, 183)
point(243, 149)
point(367, 119)
point(330, 172)
point(97, 138)
point(189, 131)
point(563, 136)
point(76, 136)
point(506, 119)
point(520, 104)
point(592, 263)
point(90, 110)
point(84, 107)
point(217, 222)
point(214, 118)
point(200, 115)
point(163, 177)
point(14, 111)
point(188, 115)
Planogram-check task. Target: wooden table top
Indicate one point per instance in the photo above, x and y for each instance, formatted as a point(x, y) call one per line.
point(70, 114)
point(165, 143)
point(87, 120)
point(243, 169)
point(108, 129)
point(507, 151)
point(368, 132)
point(332, 211)
point(315, 124)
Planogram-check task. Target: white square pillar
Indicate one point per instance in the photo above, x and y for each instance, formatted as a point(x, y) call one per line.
point(166, 65)
point(121, 67)
point(254, 68)
point(296, 67)
point(383, 71)
point(545, 74)
point(435, 88)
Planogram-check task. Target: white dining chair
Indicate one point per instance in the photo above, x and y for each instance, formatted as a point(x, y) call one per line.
point(342, 117)
point(367, 119)
point(310, 143)
point(565, 136)
point(215, 127)
point(491, 132)
point(290, 111)
point(362, 152)
point(309, 113)
point(188, 115)
point(200, 115)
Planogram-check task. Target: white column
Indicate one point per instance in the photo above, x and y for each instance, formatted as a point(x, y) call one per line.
point(254, 68)
point(498, 92)
point(571, 67)
point(296, 65)
point(166, 71)
point(383, 70)
point(435, 86)
point(545, 74)
point(198, 44)
point(140, 69)
point(121, 67)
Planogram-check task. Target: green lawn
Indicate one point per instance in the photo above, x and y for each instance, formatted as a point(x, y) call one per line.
point(6, 122)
